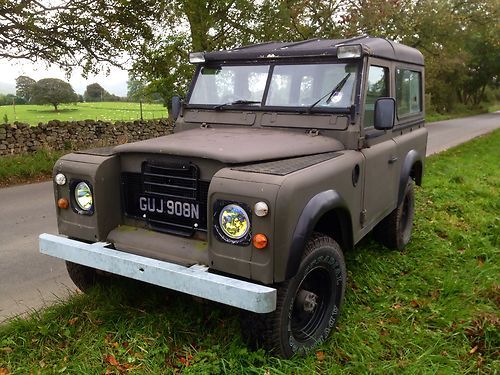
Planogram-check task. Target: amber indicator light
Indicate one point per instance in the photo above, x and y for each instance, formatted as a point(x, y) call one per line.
point(259, 241)
point(63, 203)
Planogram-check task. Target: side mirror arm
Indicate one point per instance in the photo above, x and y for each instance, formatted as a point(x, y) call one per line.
point(176, 106)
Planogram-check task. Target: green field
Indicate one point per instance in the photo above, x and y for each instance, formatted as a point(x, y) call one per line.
point(430, 309)
point(106, 111)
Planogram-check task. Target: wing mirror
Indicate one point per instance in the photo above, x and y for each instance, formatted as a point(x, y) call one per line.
point(385, 112)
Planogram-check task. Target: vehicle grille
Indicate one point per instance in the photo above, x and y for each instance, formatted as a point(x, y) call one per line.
point(169, 197)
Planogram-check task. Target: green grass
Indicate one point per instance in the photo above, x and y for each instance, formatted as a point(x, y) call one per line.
point(108, 111)
point(432, 308)
point(29, 167)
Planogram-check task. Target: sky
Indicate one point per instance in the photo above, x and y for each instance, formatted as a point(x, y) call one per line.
point(115, 83)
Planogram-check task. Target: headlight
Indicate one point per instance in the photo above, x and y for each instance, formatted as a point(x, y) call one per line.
point(83, 196)
point(234, 221)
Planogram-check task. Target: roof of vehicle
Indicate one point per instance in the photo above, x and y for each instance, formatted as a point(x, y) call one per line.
point(378, 47)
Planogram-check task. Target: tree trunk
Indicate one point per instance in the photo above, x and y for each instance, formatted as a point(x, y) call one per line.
point(198, 16)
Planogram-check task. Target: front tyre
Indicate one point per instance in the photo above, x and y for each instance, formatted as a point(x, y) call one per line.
point(308, 305)
point(83, 277)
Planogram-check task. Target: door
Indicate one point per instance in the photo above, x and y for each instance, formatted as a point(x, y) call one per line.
point(381, 162)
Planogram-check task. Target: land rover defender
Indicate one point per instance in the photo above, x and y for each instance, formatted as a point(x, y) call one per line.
point(283, 157)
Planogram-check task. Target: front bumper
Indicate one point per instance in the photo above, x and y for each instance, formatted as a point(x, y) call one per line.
point(194, 280)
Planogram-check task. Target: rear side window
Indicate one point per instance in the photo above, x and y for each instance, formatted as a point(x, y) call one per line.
point(408, 92)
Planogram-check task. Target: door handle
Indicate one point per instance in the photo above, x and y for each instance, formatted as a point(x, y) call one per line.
point(393, 159)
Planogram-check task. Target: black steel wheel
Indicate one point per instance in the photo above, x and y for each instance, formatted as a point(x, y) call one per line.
point(308, 305)
point(394, 231)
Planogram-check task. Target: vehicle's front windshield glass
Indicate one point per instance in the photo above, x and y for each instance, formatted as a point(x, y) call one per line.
point(227, 84)
point(295, 85)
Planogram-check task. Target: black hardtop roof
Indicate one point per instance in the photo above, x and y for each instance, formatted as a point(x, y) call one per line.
point(379, 47)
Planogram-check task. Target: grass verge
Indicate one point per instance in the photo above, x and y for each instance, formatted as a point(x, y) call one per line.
point(462, 111)
point(28, 168)
point(432, 308)
point(106, 111)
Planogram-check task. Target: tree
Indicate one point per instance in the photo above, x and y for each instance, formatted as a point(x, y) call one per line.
point(53, 91)
point(136, 89)
point(95, 93)
point(71, 33)
point(24, 86)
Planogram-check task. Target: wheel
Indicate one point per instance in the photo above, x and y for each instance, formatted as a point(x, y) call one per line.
point(84, 277)
point(308, 305)
point(394, 231)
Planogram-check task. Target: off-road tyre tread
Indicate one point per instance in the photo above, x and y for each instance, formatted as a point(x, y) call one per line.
point(388, 232)
point(261, 330)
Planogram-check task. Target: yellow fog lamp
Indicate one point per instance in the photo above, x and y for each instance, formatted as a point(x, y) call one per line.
point(234, 221)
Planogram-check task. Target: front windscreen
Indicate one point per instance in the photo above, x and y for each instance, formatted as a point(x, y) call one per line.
point(328, 85)
point(228, 84)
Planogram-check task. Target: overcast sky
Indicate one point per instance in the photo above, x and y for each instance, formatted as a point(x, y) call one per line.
point(115, 82)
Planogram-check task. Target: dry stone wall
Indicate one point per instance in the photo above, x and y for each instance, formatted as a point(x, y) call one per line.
point(21, 138)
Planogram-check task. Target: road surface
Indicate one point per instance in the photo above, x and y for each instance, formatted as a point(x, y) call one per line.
point(29, 280)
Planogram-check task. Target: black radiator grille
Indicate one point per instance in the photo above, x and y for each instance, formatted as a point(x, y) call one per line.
point(170, 198)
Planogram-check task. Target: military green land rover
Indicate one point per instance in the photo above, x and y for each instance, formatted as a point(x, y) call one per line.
point(283, 157)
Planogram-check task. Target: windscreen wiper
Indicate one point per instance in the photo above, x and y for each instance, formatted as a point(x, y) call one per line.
point(335, 90)
point(240, 101)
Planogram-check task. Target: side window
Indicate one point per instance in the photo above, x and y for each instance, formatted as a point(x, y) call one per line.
point(377, 86)
point(408, 92)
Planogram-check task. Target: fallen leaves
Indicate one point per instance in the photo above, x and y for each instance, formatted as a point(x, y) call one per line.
point(4, 371)
point(480, 260)
point(414, 304)
point(111, 360)
point(320, 356)
point(186, 360)
point(121, 367)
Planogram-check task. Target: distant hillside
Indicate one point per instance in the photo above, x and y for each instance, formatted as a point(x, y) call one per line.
point(7, 88)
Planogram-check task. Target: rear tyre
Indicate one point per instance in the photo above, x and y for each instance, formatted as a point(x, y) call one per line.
point(394, 231)
point(308, 305)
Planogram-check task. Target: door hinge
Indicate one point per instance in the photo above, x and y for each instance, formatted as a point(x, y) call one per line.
point(362, 218)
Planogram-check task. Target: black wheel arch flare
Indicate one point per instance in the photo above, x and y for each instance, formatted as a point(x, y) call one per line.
point(412, 167)
point(318, 206)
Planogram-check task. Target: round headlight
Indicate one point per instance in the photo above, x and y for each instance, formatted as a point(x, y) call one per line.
point(83, 196)
point(234, 221)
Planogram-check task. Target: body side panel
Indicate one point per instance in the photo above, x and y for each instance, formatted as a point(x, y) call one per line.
point(297, 191)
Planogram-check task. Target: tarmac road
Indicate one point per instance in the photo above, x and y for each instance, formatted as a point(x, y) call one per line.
point(29, 280)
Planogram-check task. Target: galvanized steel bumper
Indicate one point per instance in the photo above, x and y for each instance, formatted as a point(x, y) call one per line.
point(194, 280)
